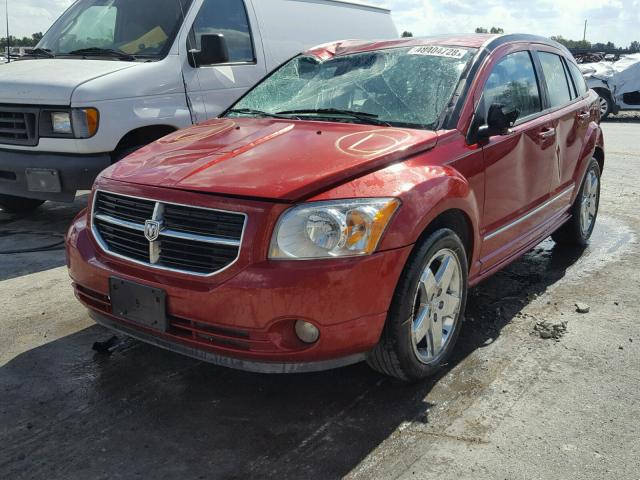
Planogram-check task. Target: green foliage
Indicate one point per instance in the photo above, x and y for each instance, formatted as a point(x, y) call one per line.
point(497, 30)
point(22, 42)
point(481, 30)
point(407, 34)
point(572, 43)
point(634, 46)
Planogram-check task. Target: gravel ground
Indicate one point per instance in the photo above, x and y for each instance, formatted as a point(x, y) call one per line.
point(536, 389)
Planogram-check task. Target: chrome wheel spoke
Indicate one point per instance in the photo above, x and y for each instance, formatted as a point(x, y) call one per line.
point(435, 331)
point(427, 286)
point(450, 303)
point(421, 325)
point(445, 273)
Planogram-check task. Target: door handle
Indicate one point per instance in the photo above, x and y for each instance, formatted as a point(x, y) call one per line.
point(547, 133)
point(584, 115)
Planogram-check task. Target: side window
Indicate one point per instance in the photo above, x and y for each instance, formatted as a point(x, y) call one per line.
point(572, 88)
point(578, 78)
point(557, 82)
point(513, 83)
point(228, 17)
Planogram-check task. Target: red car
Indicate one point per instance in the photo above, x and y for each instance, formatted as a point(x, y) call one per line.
point(342, 208)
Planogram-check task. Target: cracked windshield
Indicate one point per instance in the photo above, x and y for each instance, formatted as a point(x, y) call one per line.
point(110, 27)
point(405, 87)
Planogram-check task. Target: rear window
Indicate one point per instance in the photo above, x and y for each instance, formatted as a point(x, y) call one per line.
point(557, 82)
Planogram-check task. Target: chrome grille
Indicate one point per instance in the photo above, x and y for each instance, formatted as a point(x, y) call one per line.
point(181, 238)
point(18, 126)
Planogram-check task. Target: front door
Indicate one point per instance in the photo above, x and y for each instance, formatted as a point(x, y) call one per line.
point(213, 88)
point(519, 165)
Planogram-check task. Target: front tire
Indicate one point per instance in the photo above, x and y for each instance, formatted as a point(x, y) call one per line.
point(427, 309)
point(605, 103)
point(11, 204)
point(584, 211)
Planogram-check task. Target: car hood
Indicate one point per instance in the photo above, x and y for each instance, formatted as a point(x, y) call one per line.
point(268, 158)
point(51, 81)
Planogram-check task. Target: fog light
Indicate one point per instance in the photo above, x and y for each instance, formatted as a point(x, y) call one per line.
point(307, 332)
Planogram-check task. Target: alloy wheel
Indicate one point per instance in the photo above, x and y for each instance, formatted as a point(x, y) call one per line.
point(589, 203)
point(436, 306)
point(604, 106)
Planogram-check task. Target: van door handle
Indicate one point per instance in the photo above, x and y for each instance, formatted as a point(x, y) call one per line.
point(547, 133)
point(584, 115)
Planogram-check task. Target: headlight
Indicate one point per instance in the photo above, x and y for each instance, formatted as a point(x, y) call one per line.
point(77, 123)
point(342, 228)
point(61, 123)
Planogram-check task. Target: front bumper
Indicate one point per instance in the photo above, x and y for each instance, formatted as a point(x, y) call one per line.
point(245, 318)
point(73, 172)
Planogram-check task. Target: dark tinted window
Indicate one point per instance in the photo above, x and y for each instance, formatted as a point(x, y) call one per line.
point(557, 82)
point(513, 83)
point(228, 17)
point(578, 79)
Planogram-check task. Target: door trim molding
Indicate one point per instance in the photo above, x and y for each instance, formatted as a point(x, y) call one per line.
point(531, 213)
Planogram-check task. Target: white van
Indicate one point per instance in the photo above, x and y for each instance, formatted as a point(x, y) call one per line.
point(113, 75)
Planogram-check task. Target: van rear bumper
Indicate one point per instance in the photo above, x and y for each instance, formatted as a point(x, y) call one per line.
point(48, 176)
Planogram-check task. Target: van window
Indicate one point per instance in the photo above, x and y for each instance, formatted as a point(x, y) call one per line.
point(228, 17)
point(557, 83)
point(513, 83)
point(578, 79)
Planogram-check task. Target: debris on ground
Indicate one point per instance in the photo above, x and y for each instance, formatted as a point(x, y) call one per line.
point(582, 307)
point(546, 329)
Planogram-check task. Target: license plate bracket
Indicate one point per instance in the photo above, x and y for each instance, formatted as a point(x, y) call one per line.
point(43, 180)
point(139, 304)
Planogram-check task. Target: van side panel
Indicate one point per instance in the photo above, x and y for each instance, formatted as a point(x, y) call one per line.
point(317, 22)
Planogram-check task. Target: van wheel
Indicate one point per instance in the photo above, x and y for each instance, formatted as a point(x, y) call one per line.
point(584, 211)
point(11, 204)
point(426, 312)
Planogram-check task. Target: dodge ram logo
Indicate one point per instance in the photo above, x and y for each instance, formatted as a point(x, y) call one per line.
point(151, 230)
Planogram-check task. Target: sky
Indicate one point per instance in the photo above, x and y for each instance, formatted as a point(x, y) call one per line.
point(608, 20)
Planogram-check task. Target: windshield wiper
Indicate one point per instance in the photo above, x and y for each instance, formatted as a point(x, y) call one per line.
point(370, 118)
point(251, 111)
point(40, 53)
point(103, 52)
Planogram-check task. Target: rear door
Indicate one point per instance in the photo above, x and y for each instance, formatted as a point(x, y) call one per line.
point(213, 88)
point(519, 165)
point(570, 118)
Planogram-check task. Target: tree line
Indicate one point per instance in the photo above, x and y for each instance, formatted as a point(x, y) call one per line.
point(633, 47)
point(31, 41)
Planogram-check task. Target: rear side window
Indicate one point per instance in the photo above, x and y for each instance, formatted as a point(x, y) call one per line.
point(513, 83)
point(228, 17)
point(578, 79)
point(557, 82)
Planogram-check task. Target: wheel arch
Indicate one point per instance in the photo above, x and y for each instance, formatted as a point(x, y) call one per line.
point(457, 220)
point(144, 135)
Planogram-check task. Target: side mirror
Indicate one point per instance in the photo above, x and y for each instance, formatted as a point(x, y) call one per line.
point(213, 50)
point(498, 122)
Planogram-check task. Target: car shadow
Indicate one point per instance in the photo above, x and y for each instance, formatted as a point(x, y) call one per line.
point(34, 242)
point(68, 412)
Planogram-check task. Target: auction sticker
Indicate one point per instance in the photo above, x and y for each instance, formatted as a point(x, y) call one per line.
point(436, 51)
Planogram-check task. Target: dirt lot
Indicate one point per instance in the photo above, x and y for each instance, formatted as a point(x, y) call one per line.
point(510, 405)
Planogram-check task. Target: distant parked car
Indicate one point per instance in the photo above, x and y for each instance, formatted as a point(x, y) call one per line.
point(112, 76)
point(616, 83)
point(342, 208)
